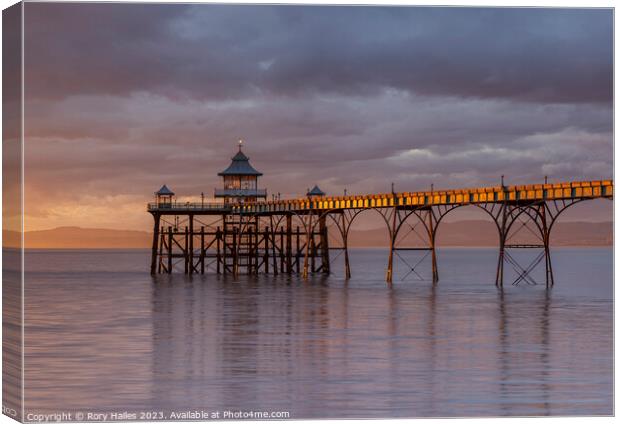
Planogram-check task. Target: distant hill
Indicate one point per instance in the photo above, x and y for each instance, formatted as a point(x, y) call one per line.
point(81, 238)
point(474, 233)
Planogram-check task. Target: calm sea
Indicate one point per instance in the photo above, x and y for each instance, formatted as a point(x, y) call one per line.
point(103, 335)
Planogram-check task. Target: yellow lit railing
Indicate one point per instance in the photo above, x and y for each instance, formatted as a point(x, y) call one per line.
point(560, 191)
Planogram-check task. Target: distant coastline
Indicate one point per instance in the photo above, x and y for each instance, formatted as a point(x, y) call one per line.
point(470, 233)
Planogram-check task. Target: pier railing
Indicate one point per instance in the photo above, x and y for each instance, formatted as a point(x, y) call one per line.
point(498, 194)
point(188, 206)
point(534, 192)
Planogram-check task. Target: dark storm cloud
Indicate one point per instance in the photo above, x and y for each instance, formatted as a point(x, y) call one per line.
point(343, 141)
point(216, 52)
point(121, 98)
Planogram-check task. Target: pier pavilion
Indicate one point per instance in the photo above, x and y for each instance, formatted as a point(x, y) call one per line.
point(240, 181)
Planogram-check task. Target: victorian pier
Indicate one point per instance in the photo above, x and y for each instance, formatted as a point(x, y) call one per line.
point(243, 232)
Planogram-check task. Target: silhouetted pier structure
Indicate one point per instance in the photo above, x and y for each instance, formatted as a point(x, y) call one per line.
point(248, 234)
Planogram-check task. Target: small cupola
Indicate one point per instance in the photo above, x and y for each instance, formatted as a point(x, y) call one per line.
point(164, 196)
point(315, 192)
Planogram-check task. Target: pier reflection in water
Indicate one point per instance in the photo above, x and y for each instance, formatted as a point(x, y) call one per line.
point(322, 348)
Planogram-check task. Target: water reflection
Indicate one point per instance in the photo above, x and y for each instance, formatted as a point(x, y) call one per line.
point(318, 348)
point(524, 355)
point(325, 350)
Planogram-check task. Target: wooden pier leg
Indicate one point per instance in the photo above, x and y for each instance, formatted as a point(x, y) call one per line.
point(185, 251)
point(169, 250)
point(308, 241)
point(249, 252)
point(312, 252)
point(156, 218)
point(252, 251)
point(218, 243)
point(162, 243)
point(297, 250)
point(225, 250)
point(324, 245)
point(274, 257)
point(289, 247)
point(203, 252)
point(235, 253)
point(277, 255)
point(266, 253)
point(191, 244)
point(257, 247)
point(282, 254)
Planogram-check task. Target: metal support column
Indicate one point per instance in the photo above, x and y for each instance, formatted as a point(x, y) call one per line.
point(431, 239)
point(392, 231)
point(345, 246)
point(499, 276)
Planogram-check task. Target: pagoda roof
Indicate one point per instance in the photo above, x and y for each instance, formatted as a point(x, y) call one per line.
point(164, 190)
point(240, 165)
point(316, 191)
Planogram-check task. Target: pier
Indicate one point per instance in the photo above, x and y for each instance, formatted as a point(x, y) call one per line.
point(246, 233)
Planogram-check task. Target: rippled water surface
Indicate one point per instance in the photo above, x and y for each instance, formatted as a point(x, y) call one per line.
point(101, 334)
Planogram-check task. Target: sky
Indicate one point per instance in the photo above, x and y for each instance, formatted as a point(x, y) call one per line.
point(122, 98)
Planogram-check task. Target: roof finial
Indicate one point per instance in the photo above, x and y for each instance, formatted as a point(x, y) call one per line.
point(240, 144)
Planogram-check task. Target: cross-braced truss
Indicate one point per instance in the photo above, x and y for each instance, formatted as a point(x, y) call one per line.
point(536, 218)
